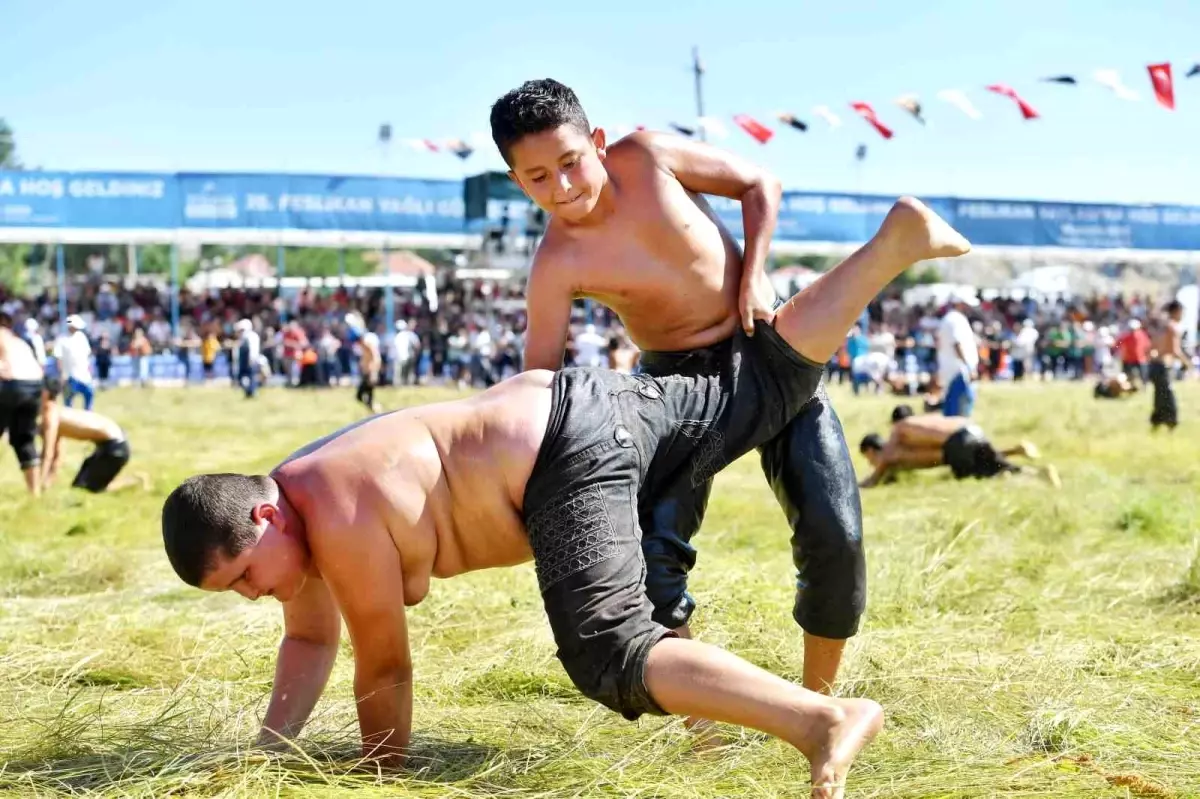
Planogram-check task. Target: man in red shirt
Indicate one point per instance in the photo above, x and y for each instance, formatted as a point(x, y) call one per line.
point(1134, 349)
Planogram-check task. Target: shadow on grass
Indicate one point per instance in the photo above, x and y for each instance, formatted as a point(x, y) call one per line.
point(159, 767)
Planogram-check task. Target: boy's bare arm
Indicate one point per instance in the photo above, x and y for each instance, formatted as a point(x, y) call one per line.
point(709, 170)
point(311, 628)
point(548, 299)
point(363, 571)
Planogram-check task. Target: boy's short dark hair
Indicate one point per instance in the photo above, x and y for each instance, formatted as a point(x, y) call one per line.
point(535, 107)
point(871, 441)
point(1174, 306)
point(210, 514)
point(901, 412)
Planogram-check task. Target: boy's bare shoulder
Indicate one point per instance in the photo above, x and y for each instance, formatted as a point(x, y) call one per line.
point(641, 149)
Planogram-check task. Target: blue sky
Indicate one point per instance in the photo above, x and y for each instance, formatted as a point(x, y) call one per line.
point(303, 86)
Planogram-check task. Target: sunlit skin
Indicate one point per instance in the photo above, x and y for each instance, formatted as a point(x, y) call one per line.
point(358, 524)
point(631, 228)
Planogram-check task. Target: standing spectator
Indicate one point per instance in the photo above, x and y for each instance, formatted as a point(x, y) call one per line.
point(104, 356)
point(1024, 345)
point(208, 352)
point(1134, 347)
point(590, 348)
point(369, 364)
point(74, 353)
point(248, 347)
point(856, 347)
point(405, 346)
point(35, 340)
point(958, 358)
point(295, 342)
point(141, 350)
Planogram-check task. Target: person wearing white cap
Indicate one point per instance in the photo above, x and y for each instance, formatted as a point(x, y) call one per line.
point(36, 342)
point(958, 357)
point(74, 354)
point(1134, 348)
point(1024, 346)
point(248, 348)
point(405, 345)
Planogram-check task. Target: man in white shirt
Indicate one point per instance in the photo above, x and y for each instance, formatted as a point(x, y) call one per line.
point(590, 348)
point(405, 346)
point(1024, 345)
point(249, 346)
point(958, 357)
point(74, 354)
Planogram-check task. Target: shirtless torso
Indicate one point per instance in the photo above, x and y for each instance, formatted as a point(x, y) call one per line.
point(660, 258)
point(445, 481)
point(1167, 342)
point(929, 430)
point(17, 361)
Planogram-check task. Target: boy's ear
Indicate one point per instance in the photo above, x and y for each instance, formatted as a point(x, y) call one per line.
point(600, 141)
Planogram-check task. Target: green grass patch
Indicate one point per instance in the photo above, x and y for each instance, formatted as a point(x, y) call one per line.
point(1024, 642)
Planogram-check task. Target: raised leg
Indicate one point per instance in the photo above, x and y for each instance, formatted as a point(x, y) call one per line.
point(815, 321)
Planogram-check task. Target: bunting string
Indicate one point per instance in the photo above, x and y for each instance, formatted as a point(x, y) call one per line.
point(1160, 76)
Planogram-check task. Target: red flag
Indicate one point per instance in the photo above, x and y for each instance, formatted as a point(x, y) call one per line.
point(432, 146)
point(868, 113)
point(760, 132)
point(1008, 91)
point(1164, 90)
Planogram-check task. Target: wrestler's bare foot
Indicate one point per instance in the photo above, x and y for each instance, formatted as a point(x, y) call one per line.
point(1030, 450)
point(918, 234)
point(856, 724)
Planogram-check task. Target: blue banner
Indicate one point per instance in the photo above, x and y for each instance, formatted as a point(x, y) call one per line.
point(304, 202)
point(196, 201)
point(88, 200)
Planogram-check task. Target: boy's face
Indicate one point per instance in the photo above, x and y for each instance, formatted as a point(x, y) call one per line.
point(561, 170)
point(276, 565)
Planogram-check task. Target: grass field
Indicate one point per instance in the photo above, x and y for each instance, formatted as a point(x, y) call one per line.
point(1023, 642)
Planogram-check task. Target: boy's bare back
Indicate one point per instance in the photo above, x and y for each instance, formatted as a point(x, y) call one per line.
point(660, 258)
point(440, 485)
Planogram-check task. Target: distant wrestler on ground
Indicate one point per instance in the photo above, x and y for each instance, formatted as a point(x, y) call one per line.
point(100, 469)
point(1114, 386)
point(932, 440)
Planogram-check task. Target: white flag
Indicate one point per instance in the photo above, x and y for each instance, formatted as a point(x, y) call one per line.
point(713, 127)
point(1110, 79)
point(958, 99)
point(824, 113)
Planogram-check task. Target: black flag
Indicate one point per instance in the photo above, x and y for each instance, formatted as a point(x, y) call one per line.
point(1068, 80)
point(1194, 71)
point(790, 119)
point(861, 152)
point(460, 148)
point(385, 133)
point(686, 131)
